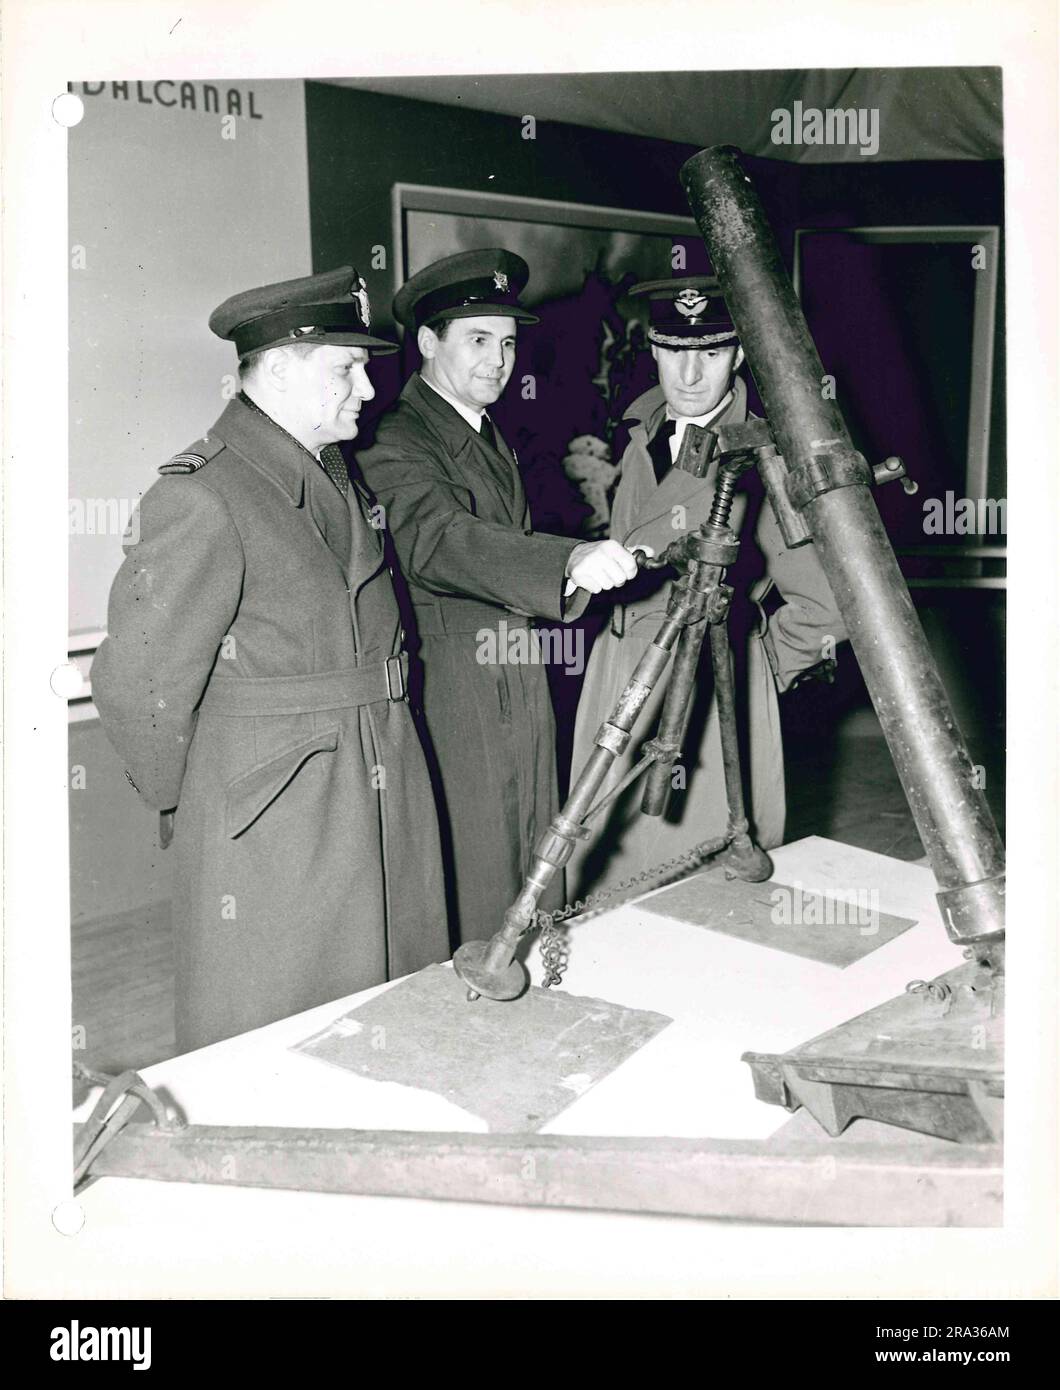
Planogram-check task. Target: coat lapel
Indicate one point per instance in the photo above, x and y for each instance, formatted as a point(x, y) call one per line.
point(503, 472)
point(330, 511)
point(279, 457)
point(469, 452)
point(367, 553)
point(650, 501)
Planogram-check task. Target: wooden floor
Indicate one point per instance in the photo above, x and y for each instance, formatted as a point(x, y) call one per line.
point(123, 965)
point(122, 969)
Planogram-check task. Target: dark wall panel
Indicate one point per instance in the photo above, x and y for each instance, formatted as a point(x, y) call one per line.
point(361, 143)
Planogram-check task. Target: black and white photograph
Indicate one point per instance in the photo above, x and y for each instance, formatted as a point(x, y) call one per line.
point(519, 707)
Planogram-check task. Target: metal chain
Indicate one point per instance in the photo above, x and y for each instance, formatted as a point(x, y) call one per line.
point(938, 990)
point(554, 942)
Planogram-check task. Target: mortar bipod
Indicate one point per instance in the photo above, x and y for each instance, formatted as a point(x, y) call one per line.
point(698, 600)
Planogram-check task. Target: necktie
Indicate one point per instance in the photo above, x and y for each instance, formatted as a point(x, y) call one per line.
point(335, 467)
point(488, 433)
point(659, 449)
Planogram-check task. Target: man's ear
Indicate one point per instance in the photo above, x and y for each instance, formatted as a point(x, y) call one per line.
point(737, 361)
point(427, 342)
point(274, 367)
point(654, 352)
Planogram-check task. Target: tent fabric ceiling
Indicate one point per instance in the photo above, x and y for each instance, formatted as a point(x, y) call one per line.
point(923, 113)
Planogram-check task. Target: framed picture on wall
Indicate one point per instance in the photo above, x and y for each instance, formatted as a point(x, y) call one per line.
point(907, 322)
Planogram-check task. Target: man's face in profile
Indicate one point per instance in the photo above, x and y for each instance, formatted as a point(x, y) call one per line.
point(330, 385)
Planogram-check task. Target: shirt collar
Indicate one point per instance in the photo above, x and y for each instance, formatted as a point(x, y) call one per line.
point(473, 417)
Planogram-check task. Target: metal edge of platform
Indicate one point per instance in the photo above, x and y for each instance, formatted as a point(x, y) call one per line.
point(793, 1183)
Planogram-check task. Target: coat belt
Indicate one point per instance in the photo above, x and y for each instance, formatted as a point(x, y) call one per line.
point(324, 690)
point(462, 615)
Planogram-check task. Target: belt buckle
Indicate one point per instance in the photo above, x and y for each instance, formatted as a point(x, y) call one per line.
point(395, 679)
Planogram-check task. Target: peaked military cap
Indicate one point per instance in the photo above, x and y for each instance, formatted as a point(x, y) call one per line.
point(686, 312)
point(328, 308)
point(473, 284)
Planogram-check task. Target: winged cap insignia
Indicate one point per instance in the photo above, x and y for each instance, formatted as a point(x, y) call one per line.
point(361, 296)
point(690, 303)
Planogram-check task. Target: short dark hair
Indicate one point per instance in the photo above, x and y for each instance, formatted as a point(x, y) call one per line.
point(439, 327)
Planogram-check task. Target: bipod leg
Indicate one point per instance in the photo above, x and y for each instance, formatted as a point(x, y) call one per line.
point(489, 967)
point(743, 859)
point(674, 718)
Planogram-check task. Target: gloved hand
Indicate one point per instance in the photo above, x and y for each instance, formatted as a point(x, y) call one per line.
point(599, 565)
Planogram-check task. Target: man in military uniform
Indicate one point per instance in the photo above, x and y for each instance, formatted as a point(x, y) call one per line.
point(456, 508)
point(253, 681)
point(697, 356)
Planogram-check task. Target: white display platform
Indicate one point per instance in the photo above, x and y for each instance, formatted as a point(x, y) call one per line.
point(726, 996)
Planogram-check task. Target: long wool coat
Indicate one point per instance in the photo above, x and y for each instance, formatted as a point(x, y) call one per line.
point(474, 566)
point(243, 681)
point(651, 513)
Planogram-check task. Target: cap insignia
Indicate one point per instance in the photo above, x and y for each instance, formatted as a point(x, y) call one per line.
point(691, 303)
point(361, 296)
point(500, 281)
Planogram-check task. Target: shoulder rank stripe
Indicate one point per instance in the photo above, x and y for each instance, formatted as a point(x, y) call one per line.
point(184, 463)
point(191, 460)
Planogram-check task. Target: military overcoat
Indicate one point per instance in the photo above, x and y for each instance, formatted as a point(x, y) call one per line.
point(251, 678)
point(474, 567)
point(652, 513)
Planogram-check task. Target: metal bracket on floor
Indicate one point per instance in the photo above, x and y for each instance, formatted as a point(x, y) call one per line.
point(930, 1060)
